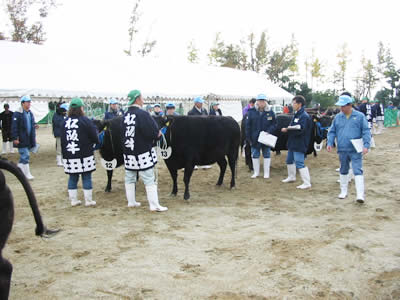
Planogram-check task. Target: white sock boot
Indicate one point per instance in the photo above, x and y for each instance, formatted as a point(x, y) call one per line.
point(267, 164)
point(4, 151)
point(152, 197)
point(305, 176)
point(28, 172)
point(73, 197)
point(88, 198)
point(359, 179)
point(256, 167)
point(291, 169)
point(11, 147)
point(59, 161)
point(130, 190)
point(343, 186)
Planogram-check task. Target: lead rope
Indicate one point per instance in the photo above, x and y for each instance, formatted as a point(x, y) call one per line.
point(163, 147)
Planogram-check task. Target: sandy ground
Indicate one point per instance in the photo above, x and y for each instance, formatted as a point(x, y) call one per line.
point(263, 240)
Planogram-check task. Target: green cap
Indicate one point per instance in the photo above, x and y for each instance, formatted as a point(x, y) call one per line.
point(364, 98)
point(132, 96)
point(214, 103)
point(76, 102)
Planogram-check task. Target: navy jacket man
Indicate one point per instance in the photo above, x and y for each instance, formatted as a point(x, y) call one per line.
point(260, 118)
point(23, 132)
point(298, 139)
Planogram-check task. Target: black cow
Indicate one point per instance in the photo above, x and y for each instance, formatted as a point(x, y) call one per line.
point(200, 140)
point(317, 135)
point(7, 218)
point(111, 146)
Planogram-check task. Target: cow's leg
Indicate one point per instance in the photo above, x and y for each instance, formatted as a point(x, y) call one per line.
point(232, 159)
point(174, 175)
point(109, 178)
point(186, 179)
point(249, 161)
point(277, 152)
point(5, 277)
point(222, 168)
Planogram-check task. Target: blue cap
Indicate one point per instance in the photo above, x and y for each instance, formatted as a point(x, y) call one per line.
point(64, 106)
point(198, 100)
point(157, 104)
point(261, 97)
point(170, 105)
point(113, 101)
point(344, 100)
point(26, 99)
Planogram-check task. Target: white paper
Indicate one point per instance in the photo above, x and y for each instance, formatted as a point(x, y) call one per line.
point(358, 144)
point(267, 139)
point(294, 127)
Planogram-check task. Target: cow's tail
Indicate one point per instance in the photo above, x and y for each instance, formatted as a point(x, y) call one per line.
point(12, 168)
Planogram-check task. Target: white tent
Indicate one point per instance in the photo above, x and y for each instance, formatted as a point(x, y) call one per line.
point(44, 72)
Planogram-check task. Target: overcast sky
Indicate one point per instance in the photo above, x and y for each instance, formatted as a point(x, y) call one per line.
point(99, 25)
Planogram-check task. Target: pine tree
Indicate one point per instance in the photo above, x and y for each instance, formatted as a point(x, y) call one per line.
point(193, 55)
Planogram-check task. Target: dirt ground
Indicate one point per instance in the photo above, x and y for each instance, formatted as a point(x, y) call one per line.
point(263, 240)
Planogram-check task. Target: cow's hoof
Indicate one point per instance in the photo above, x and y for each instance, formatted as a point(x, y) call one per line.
point(219, 184)
point(108, 190)
point(186, 196)
point(48, 233)
point(172, 194)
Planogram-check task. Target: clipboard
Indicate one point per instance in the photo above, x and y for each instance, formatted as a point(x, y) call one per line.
point(267, 139)
point(358, 144)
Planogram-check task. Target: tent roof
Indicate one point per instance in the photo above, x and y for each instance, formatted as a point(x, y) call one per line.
point(48, 72)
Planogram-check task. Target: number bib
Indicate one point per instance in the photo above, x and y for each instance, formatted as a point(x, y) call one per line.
point(164, 153)
point(109, 165)
point(318, 147)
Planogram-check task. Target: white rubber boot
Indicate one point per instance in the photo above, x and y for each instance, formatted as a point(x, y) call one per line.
point(21, 166)
point(267, 165)
point(291, 169)
point(305, 176)
point(152, 197)
point(11, 147)
point(359, 179)
point(28, 172)
point(73, 197)
point(351, 175)
point(130, 190)
point(256, 167)
point(4, 151)
point(88, 198)
point(343, 186)
point(59, 161)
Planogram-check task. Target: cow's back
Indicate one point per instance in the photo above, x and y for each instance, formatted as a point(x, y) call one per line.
point(203, 139)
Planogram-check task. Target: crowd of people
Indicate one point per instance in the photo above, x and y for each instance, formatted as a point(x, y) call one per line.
point(76, 136)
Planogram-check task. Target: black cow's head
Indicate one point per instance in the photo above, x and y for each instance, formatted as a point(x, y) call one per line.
point(100, 124)
point(321, 126)
point(164, 124)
